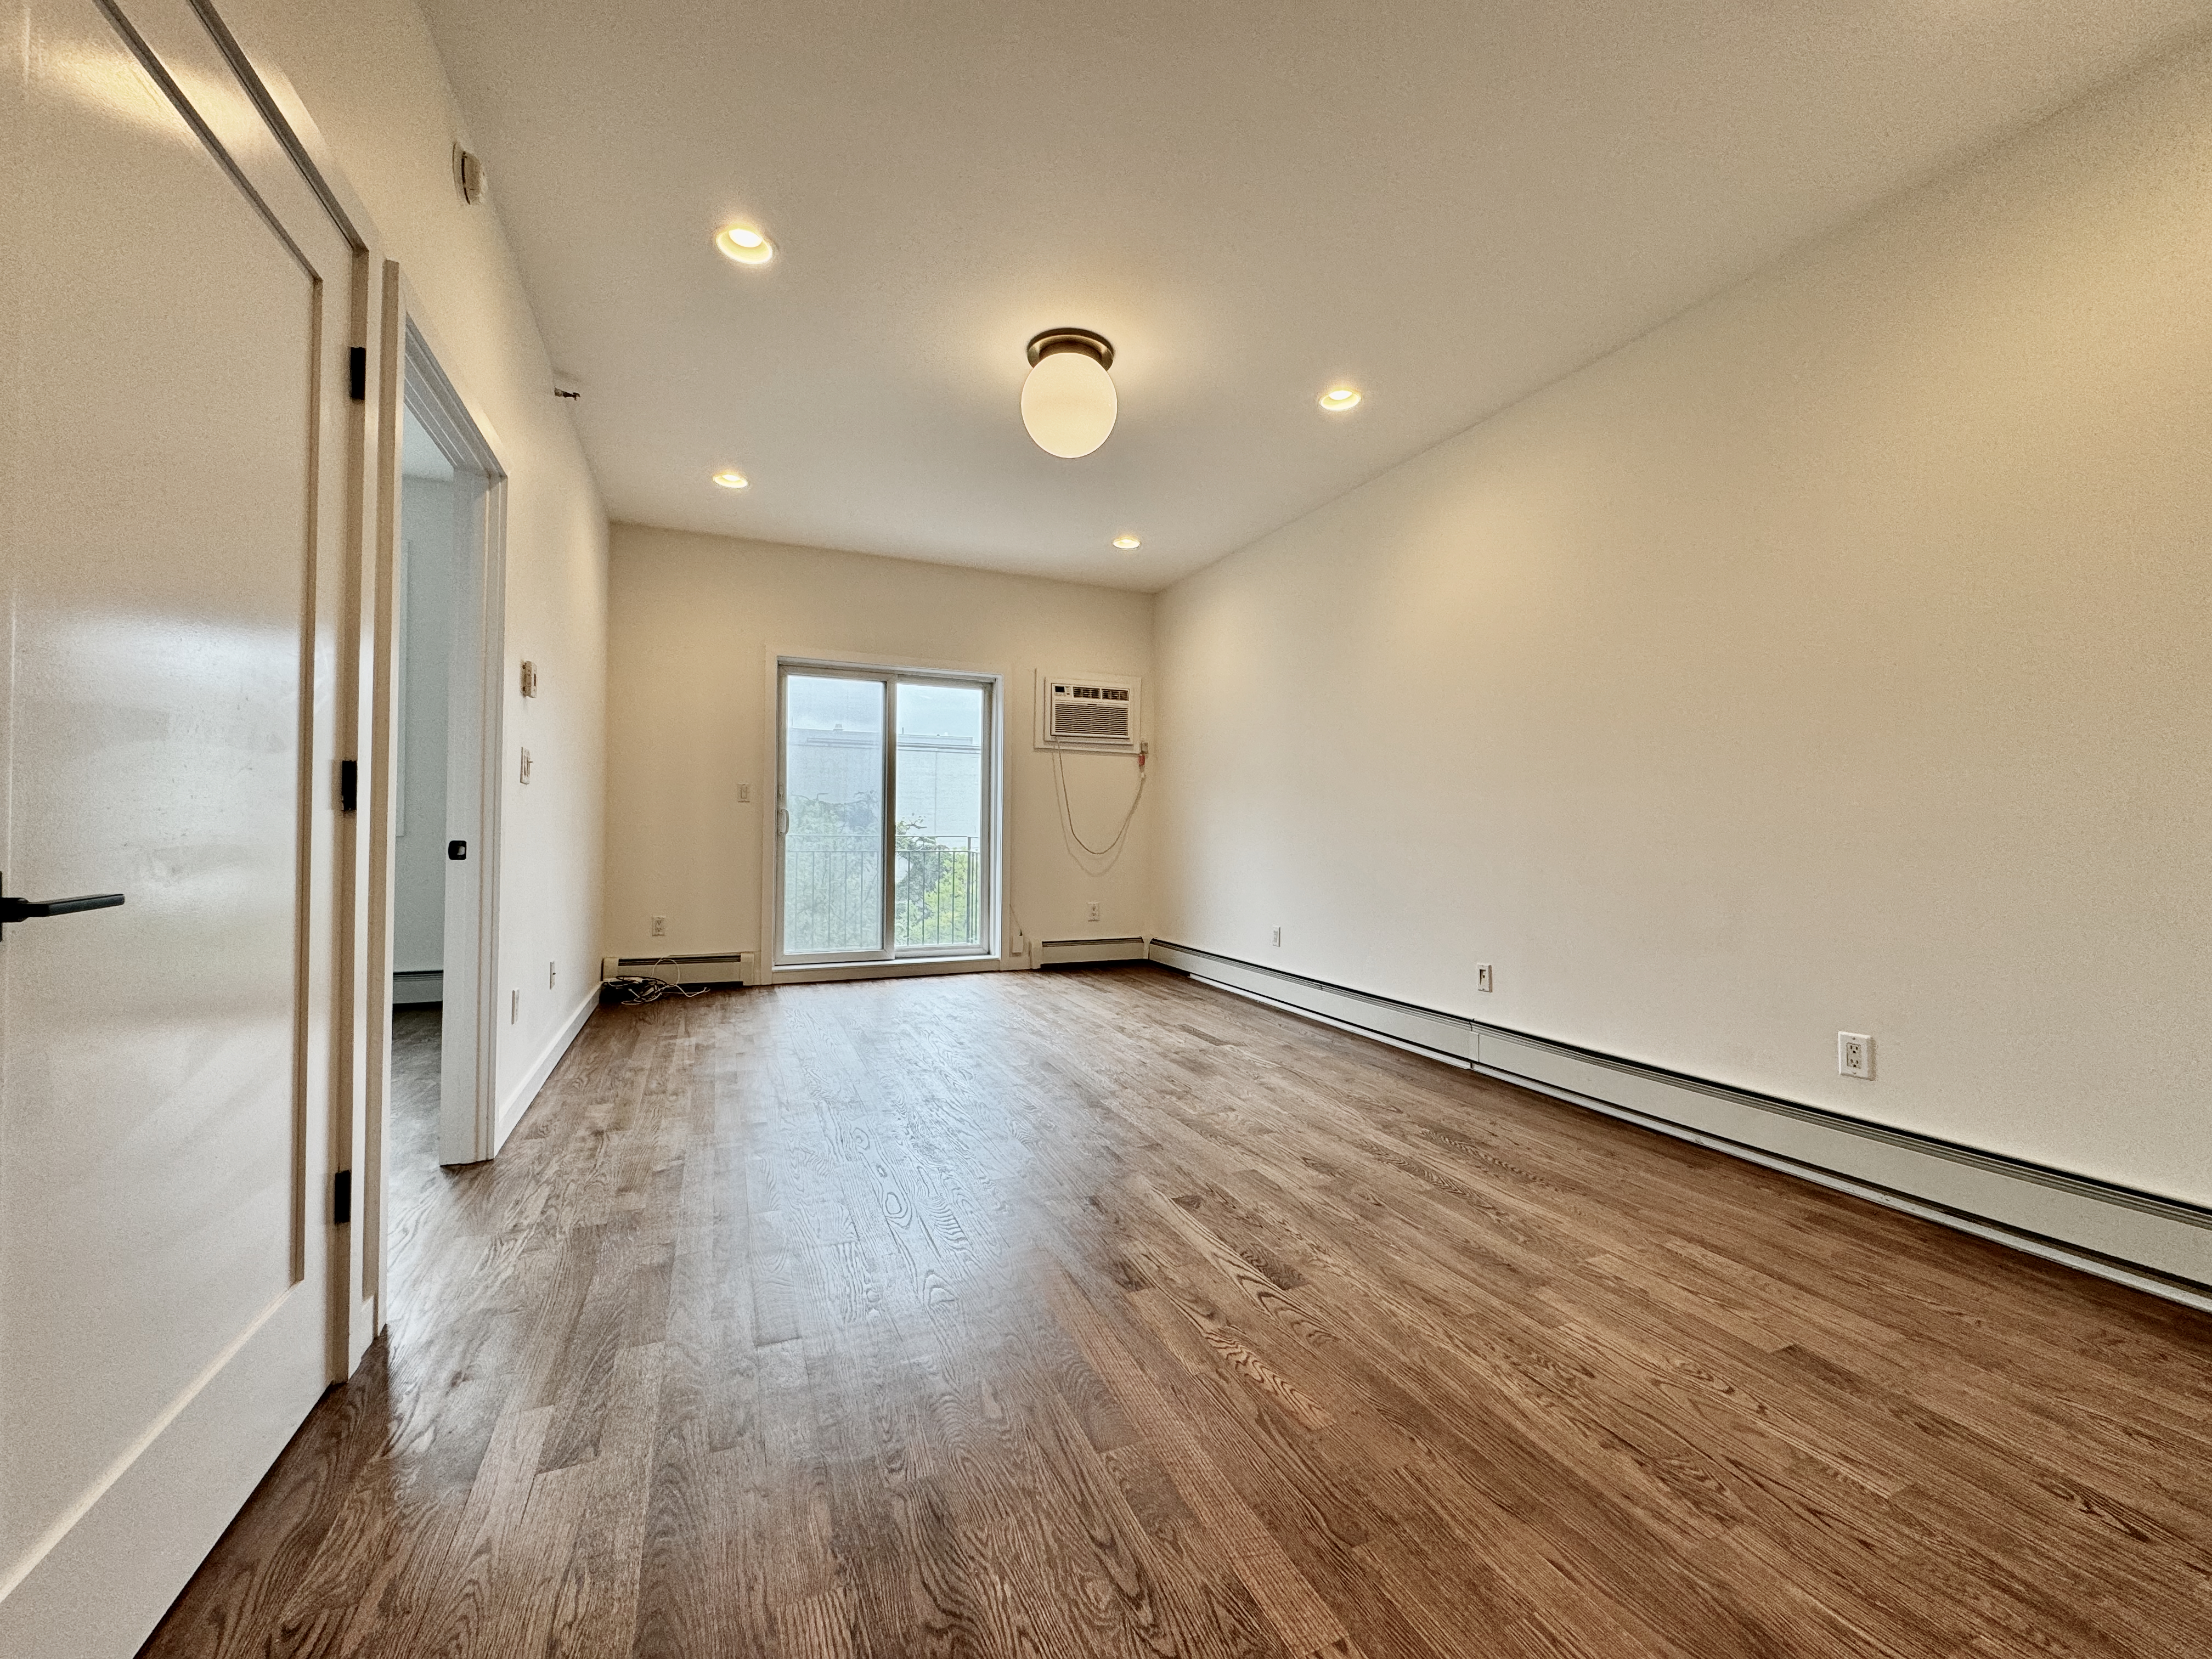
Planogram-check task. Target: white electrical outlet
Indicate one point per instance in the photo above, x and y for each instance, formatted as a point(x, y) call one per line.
point(1482, 979)
point(745, 794)
point(1278, 936)
point(550, 970)
point(1093, 910)
point(1855, 1053)
point(660, 928)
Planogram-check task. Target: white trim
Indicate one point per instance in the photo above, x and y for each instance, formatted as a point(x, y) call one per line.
point(474, 745)
point(1443, 1037)
point(1372, 1034)
point(2118, 1271)
point(525, 1092)
point(2148, 1243)
point(417, 988)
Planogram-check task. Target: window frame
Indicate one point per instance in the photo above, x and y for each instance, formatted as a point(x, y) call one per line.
point(988, 944)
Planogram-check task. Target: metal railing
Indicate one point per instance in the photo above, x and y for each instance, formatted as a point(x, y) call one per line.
point(833, 894)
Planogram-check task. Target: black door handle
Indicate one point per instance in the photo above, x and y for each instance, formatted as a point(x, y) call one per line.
point(23, 909)
point(456, 850)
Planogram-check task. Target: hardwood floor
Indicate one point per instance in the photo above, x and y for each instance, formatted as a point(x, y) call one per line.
point(1083, 1314)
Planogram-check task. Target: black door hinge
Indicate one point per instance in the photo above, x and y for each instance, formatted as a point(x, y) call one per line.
point(348, 785)
point(341, 1197)
point(357, 373)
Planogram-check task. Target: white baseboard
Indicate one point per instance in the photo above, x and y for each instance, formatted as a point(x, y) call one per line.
point(519, 1099)
point(413, 986)
point(2139, 1239)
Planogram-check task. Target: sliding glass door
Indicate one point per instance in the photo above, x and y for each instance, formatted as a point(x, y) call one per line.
point(884, 846)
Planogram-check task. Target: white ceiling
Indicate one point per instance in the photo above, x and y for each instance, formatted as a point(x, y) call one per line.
point(1448, 205)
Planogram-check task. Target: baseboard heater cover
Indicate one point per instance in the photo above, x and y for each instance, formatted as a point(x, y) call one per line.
point(2151, 1242)
point(1058, 952)
point(721, 968)
point(411, 986)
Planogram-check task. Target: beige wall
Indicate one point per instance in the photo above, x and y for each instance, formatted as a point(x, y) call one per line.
point(695, 622)
point(1838, 656)
point(369, 74)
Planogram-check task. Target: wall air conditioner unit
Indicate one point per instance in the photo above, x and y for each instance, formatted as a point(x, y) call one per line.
point(1088, 711)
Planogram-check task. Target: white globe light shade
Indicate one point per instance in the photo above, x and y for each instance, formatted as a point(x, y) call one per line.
point(1068, 404)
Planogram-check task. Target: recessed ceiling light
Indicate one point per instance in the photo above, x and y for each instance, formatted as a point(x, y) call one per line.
point(1127, 542)
point(730, 478)
point(1338, 399)
point(743, 243)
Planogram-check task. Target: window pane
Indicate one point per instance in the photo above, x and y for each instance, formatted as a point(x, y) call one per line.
point(938, 902)
point(833, 784)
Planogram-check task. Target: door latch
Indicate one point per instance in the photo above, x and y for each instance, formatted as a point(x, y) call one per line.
point(23, 909)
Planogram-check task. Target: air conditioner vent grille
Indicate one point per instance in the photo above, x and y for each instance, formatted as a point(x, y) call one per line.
point(1091, 719)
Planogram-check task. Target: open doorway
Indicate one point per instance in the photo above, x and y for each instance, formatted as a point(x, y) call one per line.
point(446, 678)
point(421, 639)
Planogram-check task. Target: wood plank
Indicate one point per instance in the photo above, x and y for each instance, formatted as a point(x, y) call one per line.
point(1099, 1313)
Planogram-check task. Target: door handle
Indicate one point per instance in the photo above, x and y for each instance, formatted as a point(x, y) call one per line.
point(782, 822)
point(456, 850)
point(23, 909)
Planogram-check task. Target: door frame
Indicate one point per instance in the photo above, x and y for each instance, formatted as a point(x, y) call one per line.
point(991, 951)
point(414, 376)
point(475, 677)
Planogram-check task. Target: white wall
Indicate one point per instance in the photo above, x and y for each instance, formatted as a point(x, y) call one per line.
point(418, 854)
point(1836, 656)
point(369, 76)
point(696, 620)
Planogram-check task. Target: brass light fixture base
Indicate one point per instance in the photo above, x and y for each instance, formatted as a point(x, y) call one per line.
point(1084, 340)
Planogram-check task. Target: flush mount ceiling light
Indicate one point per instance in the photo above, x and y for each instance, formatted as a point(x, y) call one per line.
point(744, 244)
point(1338, 399)
point(1067, 402)
point(730, 478)
point(1126, 542)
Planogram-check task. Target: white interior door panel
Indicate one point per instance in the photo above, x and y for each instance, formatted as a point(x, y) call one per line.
point(174, 430)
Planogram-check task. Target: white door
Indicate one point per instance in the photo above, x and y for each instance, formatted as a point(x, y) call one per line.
point(176, 310)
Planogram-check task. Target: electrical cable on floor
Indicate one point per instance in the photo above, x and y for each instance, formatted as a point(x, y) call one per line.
point(1112, 849)
point(632, 989)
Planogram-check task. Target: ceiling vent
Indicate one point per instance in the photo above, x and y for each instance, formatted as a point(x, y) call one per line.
point(1088, 711)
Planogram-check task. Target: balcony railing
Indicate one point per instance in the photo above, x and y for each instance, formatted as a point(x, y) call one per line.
point(833, 894)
